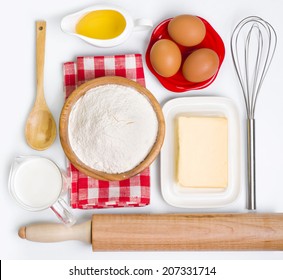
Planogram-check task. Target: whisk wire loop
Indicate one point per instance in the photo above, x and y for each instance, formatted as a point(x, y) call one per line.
point(252, 78)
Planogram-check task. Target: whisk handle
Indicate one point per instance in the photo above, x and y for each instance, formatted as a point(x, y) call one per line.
point(251, 164)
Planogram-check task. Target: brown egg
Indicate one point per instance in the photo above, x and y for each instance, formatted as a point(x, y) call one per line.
point(200, 65)
point(165, 57)
point(187, 30)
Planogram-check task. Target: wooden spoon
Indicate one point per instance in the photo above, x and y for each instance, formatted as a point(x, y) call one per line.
point(40, 129)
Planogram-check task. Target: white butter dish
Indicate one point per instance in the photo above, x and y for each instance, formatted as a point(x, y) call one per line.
point(186, 197)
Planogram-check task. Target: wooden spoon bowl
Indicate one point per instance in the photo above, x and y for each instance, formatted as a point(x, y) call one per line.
point(40, 128)
point(64, 121)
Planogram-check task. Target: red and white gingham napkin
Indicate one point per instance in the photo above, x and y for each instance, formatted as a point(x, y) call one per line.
point(87, 192)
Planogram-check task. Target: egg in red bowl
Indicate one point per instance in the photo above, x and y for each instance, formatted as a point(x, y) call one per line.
point(179, 81)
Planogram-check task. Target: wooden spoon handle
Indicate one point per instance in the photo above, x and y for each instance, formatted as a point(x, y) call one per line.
point(40, 54)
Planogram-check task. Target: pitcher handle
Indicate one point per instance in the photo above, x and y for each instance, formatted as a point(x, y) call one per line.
point(142, 24)
point(63, 211)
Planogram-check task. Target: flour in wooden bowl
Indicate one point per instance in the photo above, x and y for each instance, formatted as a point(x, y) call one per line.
point(112, 128)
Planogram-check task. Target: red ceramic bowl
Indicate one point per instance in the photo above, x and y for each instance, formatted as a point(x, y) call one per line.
point(178, 83)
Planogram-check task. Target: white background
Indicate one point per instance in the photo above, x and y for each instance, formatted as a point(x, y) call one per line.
point(17, 23)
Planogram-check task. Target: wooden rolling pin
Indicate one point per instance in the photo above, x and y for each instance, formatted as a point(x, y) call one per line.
point(168, 232)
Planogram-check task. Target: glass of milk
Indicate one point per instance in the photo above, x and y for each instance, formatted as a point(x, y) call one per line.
point(37, 183)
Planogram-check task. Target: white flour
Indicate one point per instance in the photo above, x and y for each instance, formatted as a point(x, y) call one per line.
point(112, 128)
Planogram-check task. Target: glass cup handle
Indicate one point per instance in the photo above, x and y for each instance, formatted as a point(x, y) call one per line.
point(142, 24)
point(63, 211)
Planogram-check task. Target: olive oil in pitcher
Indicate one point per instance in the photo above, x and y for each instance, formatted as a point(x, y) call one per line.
point(101, 24)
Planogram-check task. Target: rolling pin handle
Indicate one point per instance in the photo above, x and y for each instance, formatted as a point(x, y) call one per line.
point(22, 232)
point(56, 232)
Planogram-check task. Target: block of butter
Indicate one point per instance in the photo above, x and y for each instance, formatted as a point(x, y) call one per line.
point(202, 152)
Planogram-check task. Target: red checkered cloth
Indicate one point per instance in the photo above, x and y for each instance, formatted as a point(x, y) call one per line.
point(87, 192)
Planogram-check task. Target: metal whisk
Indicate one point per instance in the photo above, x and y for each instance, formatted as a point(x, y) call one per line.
point(253, 44)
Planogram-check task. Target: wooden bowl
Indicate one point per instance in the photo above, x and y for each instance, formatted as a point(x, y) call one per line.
point(64, 121)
